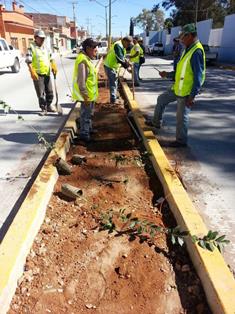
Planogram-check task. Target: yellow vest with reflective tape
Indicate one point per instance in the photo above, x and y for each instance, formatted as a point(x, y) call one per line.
point(111, 60)
point(40, 60)
point(91, 82)
point(133, 52)
point(184, 77)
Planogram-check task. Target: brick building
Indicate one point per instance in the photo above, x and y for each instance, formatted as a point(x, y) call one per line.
point(16, 27)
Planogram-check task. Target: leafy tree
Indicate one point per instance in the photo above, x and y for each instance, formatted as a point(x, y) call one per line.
point(168, 24)
point(185, 11)
point(131, 32)
point(149, 20)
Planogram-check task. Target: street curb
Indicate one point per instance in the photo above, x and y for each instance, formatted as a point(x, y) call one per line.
point(20, 236)
point(216, 278)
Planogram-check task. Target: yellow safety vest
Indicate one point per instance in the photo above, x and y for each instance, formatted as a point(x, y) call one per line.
point(184, 74)
point(91, 82)
point(133, 52)
point(40, 59)
point(111, 60)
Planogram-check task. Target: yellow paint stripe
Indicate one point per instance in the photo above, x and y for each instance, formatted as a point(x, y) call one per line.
point(217, 280)
point(20, 236)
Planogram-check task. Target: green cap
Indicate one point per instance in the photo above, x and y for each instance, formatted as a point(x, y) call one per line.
point(188, 29)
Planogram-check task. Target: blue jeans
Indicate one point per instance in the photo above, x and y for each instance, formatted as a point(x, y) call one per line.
point(182, 115)
point(86, 113)
point(113, 83)
point(136, 73)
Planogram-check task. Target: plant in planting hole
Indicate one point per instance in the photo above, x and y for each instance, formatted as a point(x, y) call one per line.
point(146, 230)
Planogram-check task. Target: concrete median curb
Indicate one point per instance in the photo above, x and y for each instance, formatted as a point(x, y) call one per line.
point(216, 278)
point(20, 236)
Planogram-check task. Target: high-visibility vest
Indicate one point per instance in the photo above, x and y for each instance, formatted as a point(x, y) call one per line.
point(133, 52)
point(111, 60)
point(40, 59)
point(91, 82)
point(141, 52)
point(184, 74)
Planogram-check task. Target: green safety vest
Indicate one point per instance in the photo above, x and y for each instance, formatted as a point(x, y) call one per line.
point(141, 52)
point(111, 60)
point(184, 74)
point(40, 59)
point(133, 52)
point(91, 82)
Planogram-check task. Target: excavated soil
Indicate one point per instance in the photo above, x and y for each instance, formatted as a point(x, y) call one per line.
point(74, 267)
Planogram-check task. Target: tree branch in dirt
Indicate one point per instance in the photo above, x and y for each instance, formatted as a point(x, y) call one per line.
point(146, 230)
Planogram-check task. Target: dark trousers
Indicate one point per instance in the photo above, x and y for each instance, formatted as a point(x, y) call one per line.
point(44, 90)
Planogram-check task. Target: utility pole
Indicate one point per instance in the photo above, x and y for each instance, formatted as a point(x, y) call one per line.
point(88, 20)
point(106, 22)
point(75, 23)
point(110, 22)
point(196, 12)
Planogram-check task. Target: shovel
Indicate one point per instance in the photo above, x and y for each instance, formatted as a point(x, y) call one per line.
point(57, 105)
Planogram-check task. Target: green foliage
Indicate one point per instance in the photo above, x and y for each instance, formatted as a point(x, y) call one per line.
point(150, 19)
point(147, 230)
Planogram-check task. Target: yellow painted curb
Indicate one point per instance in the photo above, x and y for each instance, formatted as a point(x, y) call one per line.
point(216, 278)
point(20, 236)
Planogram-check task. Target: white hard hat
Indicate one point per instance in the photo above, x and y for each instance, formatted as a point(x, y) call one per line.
point(39, 33)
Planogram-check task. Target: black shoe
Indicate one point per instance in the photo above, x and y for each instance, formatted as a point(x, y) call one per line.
point(150, 123)
point(175, 144)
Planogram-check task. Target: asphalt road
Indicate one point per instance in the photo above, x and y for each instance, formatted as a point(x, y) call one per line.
point(208, 165)
point(20, 152)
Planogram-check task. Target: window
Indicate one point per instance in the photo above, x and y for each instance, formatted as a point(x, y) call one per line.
point(30, 41)
point(4, 45)
point(14, 42)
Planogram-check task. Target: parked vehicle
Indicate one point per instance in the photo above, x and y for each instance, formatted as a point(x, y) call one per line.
point(158, 49)
point(155, 49)
point(102, 48)
point(9, 56)
point(211, 57)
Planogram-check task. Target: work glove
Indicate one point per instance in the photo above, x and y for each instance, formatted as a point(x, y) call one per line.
point(54, 68)
point(33, 74)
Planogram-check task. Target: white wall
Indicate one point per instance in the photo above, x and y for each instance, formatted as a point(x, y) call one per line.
point(215, 38)
point(203, 31)
point(227, 48)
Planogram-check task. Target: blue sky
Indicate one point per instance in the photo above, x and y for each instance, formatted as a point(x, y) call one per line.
point(90, 13)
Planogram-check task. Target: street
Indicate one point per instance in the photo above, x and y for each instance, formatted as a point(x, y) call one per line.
point(20, 153)
point(207, 166)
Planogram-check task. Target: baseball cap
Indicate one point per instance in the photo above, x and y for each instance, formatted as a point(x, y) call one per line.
point(188, 29)
point(39, 33)
point(89, 42)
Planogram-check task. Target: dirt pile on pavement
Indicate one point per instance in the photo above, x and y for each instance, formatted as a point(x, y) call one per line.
point(74, 268)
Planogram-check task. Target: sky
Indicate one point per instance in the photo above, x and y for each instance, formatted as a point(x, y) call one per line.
point(91, 14)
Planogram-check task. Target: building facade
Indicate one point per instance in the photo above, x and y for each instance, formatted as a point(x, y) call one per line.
point(16, 27)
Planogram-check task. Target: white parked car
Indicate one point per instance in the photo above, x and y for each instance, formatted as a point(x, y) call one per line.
point(9, 56)
point(158, 49)
point(102, 49)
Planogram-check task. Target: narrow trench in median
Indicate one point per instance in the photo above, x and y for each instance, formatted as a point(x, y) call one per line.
point(73, 267)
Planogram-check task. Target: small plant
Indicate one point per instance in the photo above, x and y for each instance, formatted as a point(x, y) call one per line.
point(146, 230)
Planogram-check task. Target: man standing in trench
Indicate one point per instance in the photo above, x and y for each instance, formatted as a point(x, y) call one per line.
point(189, 77)
point(40, 64)
point(85, 86)
point(114, 59)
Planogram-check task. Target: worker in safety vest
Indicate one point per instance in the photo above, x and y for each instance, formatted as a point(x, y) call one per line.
point(40, 64)
point(85, 86)
point(189, 77)
point(142, 55)
point(135, 58)
point(114, 59)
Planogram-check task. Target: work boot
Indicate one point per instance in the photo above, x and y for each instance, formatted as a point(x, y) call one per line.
point(51, 108)
point(43, 112)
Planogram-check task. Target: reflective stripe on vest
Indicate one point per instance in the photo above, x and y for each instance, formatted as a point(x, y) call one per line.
point(111, 60)
point(133, 52)
point(184, 77)
point(91, 81)
point(40, 60)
